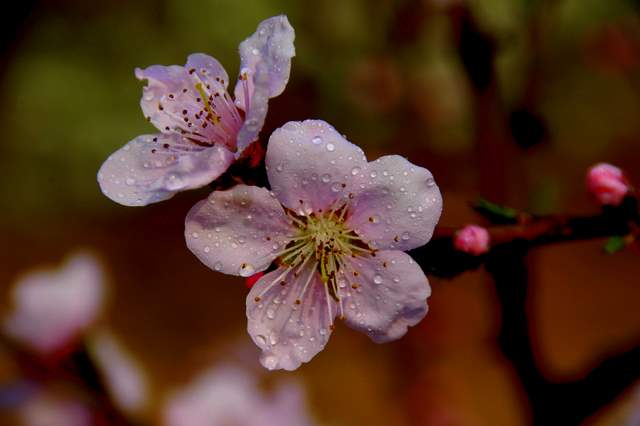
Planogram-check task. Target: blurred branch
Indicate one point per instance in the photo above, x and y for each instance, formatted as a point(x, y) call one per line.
point(551, 403)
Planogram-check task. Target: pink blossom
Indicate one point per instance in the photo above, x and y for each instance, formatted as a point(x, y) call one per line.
point(125, 380)
point(201, 127)
point(52, 307)
point(472, 239)
point(336, 226)
point(227, 395)
point(607, 183)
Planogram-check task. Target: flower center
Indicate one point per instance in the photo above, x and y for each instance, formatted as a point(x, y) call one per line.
point(203, 111)
point(324, 240)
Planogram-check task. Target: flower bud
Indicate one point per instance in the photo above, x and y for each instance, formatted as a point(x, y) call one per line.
point(472, 239)
point(607, 183)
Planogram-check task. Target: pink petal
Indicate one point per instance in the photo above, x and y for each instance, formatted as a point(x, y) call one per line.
point(386, 295)
point(52, 307)
point(289, 333)
point(239, 231)
point(153, 168)
point(399, 206)
point(266, 62)
point(312, 167)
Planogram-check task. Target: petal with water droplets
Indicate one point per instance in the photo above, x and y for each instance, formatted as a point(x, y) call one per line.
point(239, 231)
point(399, 206)
point(265, 64)
point(153, 168)
point(385, 294)
point(289, 333)
point(310, 164)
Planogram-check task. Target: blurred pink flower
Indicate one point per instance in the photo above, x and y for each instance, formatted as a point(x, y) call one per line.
point(337, 226)
point(53, 307)
point(201, 127)
point(46, 409)
point(227, 395)
point(607, 183)
point(472, 239)
point(125, 380)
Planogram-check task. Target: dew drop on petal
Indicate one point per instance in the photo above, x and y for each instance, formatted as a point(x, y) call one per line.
point(430, 182)
point(377, 278)
point(355, 171)
point(194, 235)
point(271, 362)
point(261, 339)
point(217, 266)
point(336, 187)
point(326, 178)
point(317, 140)
point(207, 249)
point(246, 270)
point(405, 236)
point(271, 314)
point(280, 167)
point(130, 181)
point(331, 147)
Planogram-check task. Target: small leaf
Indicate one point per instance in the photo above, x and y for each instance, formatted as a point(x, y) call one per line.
point(495, 213)
point(615, 244)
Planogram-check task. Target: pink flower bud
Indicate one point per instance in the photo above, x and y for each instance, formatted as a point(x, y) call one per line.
point(607, 183)
point(472, 239)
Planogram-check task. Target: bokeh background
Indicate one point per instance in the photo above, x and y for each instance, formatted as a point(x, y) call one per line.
point(564, 94)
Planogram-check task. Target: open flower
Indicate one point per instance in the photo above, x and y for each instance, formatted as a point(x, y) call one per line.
point(336, 227)
point(53, 307)
point(201, 126)
point(228, 395)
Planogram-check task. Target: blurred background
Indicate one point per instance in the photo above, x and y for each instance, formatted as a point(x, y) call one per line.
point(508, 99)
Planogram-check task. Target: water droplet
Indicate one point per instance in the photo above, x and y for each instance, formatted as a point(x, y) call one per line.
point(280, 167)
point(270, 362)
point(396, 280)
point(261, 339)
point(130, 181)
point(271, 314)
point(317, 140)
point(430, 182)
point(207, 249)
point(336, 187)
point(255, 51)
point(195, 235)
point(331, 147)
point(246, 270)
point(405, 236)
point(217, 266)
point(326, 178)
point(377, 279)
point(373, 174)
point(355, 171)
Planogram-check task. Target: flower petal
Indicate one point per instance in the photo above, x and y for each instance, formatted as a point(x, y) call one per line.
point(153, 168)
point(399, 206)
point(265, 64)
point(383, 295)
point(52, 307)
point(272, 45)
point(311, 166)
point(289, 333)
point(239, 231)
